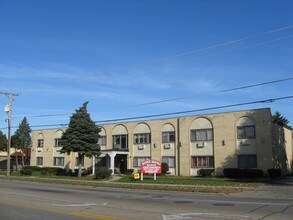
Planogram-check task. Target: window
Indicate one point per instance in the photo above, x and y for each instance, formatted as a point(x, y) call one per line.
point(170, 161)
point(120, 141)
point(246, 132)
point(247, 161)
point(40, 143)
point(142, 138)
point(57, 142)
point(137, 160)
point(168, 137)
point(205, 161)
point(77, 163)
point(58, 161)
point(102, 141)
point(39, 161)
point(201, 135)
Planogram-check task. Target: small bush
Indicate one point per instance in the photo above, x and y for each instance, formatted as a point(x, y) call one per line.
point(274, 173)
point(242, 173)
point(55, 171)
point(103, 173)
point(33, 168)
point(129, 172)
point(165, 168)
point(26, 172)
point(205, 172)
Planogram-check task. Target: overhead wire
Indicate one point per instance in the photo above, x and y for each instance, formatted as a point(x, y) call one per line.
point(222, 44)
point(172, 113)
point(220, 91)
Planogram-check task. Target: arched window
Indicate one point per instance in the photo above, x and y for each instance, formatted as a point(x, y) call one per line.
point(168, 133)
point(142, 134)
point(245, 128)
point(40, 141)
point(103, 137)
point(57, 138)
point(120, 138)
point(201, 130)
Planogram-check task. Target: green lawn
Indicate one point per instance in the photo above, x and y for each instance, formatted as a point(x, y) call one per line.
point(196, 181)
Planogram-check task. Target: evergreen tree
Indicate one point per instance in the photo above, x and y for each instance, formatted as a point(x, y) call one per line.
point(279, 119)
point(81, 136)
point(23, 133)
point(3, 142)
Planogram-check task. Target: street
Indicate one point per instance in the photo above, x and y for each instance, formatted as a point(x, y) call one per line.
point(28, 200)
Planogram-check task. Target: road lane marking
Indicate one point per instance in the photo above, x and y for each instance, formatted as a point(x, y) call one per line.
point(76, 205)
point(204, 215)
point(64, 212)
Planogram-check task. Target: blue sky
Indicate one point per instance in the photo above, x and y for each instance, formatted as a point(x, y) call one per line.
point(119, 54)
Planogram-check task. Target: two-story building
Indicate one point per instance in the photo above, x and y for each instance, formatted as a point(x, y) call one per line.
point(243, 139)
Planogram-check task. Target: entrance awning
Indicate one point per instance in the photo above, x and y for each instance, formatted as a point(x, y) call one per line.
point(112, 154)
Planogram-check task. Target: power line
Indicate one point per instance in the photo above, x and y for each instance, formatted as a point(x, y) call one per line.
point(220, 91)
point(175, 113)
point(178, 98)
point(241, 48)
point(222, 44)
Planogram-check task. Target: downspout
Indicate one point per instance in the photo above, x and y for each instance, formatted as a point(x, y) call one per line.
point(178, 145)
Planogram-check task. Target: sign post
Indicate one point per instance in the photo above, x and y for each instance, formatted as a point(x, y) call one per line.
point(151, 167)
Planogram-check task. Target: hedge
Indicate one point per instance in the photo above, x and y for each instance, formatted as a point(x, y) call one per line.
point(274, 173)
point(165, 168)
point(26, 172)
point(242, 173)
point(103, 173)
point(205, 172)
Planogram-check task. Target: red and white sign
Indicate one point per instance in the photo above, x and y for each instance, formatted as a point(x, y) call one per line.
point(151, 166)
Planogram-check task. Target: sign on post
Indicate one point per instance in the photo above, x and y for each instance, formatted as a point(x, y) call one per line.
point(151, 167)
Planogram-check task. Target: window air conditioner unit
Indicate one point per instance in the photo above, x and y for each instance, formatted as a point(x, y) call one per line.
point(167, 146)
point(201, 145)
point(245, 143)
point(140, 147)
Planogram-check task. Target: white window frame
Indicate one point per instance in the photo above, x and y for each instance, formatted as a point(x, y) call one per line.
point(197, 161)
point(58, 161)
point(245, 135)
point(138, 160)
point(168, 160)
point(144, 138)
point(40, 143)
point(57, 142)
point(117, 145)
point(39, 161)
point(168, 136)
point(102, 140)
point(201, 135)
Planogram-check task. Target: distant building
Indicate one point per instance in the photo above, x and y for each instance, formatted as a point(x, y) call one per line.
point(243, 139)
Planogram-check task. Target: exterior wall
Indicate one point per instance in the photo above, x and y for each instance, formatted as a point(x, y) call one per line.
point(282, 149)
point(224, 148)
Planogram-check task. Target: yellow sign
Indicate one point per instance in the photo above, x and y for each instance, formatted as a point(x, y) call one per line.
point(136, 176)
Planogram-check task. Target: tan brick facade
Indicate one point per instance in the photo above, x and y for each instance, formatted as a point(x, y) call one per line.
point(188, 144)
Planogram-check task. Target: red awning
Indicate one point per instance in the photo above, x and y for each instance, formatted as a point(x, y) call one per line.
point(26, 151)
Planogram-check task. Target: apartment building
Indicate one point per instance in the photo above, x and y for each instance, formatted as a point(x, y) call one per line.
point(243, 139)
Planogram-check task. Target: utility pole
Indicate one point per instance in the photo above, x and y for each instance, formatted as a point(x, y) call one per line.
point(8, 109)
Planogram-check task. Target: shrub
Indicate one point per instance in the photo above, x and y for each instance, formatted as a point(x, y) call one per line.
point(55, 171)
point(33, 168)
point(129, 172)
point(165, 168)
point(274, 173)
point(103, 173)
point(26, 172)
point(242, 173)
point(205, 172)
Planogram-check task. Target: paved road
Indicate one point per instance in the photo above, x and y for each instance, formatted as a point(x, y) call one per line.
point(26, 200)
